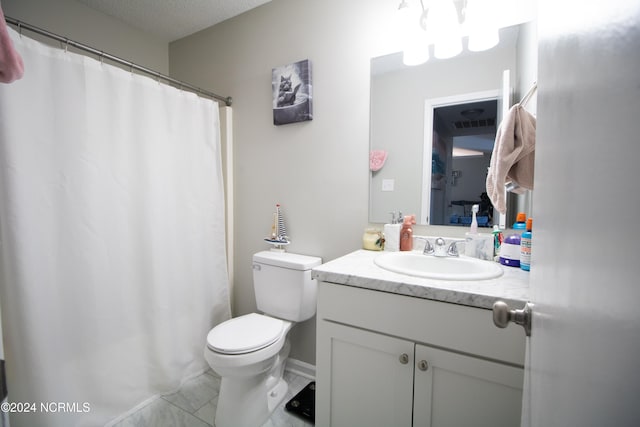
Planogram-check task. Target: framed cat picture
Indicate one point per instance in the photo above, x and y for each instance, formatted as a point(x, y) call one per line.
point(292, 95)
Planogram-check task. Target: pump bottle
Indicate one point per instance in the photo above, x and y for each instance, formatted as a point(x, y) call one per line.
point(406, 234)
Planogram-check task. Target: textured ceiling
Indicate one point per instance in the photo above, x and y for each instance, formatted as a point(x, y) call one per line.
point(173, 19)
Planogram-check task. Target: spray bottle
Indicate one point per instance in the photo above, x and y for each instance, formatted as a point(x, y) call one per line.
point(406, 234)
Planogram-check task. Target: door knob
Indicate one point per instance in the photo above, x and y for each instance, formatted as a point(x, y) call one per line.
point(502, 315)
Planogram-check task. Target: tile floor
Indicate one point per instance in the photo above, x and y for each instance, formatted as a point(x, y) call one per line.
point(194, 405)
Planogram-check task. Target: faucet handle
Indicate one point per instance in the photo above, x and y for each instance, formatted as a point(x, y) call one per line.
point(453, 249)
point(428, 247)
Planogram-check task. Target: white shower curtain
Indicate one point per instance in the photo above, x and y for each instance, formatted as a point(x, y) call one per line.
point(113, 264)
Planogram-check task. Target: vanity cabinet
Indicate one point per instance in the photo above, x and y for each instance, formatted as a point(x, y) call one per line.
point(391, 360)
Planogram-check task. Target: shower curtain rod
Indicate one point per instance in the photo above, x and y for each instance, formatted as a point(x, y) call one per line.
point(102, 55)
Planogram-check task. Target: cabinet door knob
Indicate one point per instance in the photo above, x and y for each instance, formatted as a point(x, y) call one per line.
point(423, 365)
point(404, 358)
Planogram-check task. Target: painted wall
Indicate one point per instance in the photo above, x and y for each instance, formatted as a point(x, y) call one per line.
point(527, 64)
point(80, 23)
point(317, 170)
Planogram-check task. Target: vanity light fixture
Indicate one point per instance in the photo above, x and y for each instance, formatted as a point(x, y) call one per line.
point(442, 22)
point(437, 22)
point(415, 47)
point(403, 16)
point(481, 23)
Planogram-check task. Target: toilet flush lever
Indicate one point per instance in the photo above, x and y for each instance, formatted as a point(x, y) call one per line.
point(502, 315)
point(257, 267)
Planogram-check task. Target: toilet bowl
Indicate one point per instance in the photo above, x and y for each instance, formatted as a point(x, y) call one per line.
point(249, 352)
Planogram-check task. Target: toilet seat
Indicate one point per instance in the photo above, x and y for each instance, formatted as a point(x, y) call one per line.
point(245, 334)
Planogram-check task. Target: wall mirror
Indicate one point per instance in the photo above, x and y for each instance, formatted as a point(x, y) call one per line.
point(437, 123)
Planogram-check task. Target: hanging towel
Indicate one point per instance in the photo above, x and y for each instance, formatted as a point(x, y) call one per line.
point(513, 156)
point(11, 66)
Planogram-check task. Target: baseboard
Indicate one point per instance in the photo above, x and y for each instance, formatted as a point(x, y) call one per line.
point(301, 368)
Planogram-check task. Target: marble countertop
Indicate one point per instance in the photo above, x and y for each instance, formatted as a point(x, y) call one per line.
point(358, 269)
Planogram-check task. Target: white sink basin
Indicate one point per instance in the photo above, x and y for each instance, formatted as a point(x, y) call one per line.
point(442, 268)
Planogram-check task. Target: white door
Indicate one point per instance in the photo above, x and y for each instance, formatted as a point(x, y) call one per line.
point(585, 277)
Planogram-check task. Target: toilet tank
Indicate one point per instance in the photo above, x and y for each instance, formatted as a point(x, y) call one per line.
point(283, 284)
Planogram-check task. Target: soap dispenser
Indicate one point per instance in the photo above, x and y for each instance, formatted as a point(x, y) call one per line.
point(392, 233)
point(406, 234)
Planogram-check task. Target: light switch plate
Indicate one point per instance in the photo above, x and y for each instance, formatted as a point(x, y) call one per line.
point(388, 184)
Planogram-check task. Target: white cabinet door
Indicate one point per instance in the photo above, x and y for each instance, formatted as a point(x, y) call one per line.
point(455, 390)
point(370, 378)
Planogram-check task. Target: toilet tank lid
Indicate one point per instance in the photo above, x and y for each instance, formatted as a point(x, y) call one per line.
point(287, 260)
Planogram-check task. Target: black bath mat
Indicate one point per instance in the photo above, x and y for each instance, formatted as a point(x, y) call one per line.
point(303, 404)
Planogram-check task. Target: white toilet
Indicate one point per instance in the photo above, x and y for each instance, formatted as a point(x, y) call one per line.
point(249, 352)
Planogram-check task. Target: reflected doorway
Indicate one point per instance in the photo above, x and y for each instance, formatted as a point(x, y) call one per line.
point(463, 139)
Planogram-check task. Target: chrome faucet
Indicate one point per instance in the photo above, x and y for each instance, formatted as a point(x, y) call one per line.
point(440, 249)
